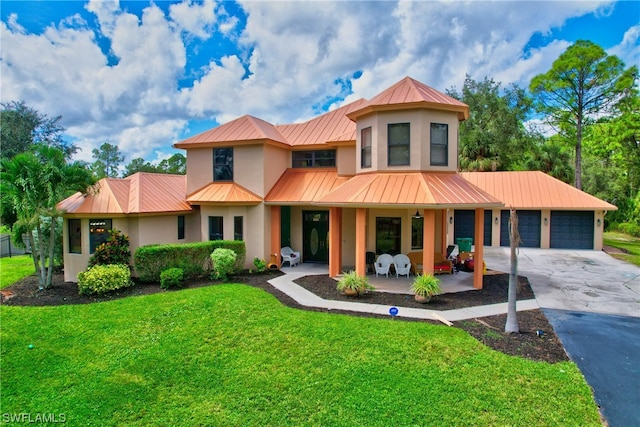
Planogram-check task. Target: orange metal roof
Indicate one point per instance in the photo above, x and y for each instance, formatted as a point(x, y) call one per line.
point(534, 190)
point(223, 192)
point(333, 126)
point(410, 91)
point(304, 185)
point(138, 193)
point(245, 128)
point(409, 189)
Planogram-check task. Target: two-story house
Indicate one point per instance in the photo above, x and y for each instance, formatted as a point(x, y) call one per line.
point(378, 175)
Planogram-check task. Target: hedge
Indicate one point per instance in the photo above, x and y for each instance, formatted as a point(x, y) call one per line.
point(193, 258)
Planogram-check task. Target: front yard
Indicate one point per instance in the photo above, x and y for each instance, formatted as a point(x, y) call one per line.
point(233, 355)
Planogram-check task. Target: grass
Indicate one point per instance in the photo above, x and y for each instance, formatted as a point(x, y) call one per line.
point(233, 355)
point(15, 268)
point(626, 242)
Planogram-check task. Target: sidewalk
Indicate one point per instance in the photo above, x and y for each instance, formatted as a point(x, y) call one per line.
point(302, 296)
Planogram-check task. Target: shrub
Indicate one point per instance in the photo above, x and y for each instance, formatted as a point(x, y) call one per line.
point(171, 278)
point(260, 264)
point(224, 261)
point(114, 251)
point(193, 258)
point(426, 286)
point(100, 279)
point(629, 228)
point(352, 284)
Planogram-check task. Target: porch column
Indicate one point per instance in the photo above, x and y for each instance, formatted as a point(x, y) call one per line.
point(361, 241)
point(275, 234)
point(428, 240)
point(443, 226)
point(335, 241)
point(478, 256)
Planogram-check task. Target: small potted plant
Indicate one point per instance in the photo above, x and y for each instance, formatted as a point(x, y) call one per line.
point(424, 287)
point(353, 285)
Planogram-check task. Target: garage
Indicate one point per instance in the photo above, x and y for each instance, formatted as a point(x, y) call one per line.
point(572, 229)
point(465, 225)
point(528, 227)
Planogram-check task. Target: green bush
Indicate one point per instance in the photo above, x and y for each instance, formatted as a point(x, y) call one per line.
point(629, 228)
point(193, 258)
point(114, 251)
point(354, 285)
point(224, 261)
point(171, 278)
point(100, 279)
point(260, 264)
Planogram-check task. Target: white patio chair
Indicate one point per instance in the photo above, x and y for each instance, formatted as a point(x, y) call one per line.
point(402, 265)
point(290, 256)
point(382, 264)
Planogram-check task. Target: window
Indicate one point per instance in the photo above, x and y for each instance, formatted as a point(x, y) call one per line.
point(223, 164)
point(180, 227)
point(439, 144)
point(98, 232)
point(417, 227)
point(314, 159)
point(237, 227)
point(388, 234)
point(398, 141)
point(365, 151)
point(215, 228)
point(75, 236)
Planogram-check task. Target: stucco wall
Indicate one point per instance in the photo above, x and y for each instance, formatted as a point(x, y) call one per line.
point(346, 160)
point(420, 139)
point(276, 161)
point(199, 168)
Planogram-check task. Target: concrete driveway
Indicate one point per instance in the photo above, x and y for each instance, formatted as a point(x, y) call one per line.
point(592, 300)
point(575, 280)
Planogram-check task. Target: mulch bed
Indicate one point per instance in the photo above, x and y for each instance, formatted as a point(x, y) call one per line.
point(488, 330)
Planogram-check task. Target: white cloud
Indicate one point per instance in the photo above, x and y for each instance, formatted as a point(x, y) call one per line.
point(629, 48)
point(123, 82)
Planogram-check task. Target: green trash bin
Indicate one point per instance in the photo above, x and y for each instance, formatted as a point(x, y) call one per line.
point(464, 244)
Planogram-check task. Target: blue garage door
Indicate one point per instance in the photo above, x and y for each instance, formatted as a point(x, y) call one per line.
point(465, 225)
point(528, 227)
point(572, 229)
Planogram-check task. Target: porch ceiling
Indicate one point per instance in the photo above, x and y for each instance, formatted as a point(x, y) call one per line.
point(304, 186)
point(410, 189)
point(223, 192)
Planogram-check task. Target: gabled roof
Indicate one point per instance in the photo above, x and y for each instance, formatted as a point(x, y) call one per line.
point(298, 186)
point(534, 190)
point(409, 189)
point(409, 92)
point(223, 192)
point(141, 193)
point(242, 129)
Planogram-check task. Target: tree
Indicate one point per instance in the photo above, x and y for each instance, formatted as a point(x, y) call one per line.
point(34, 182)
point(583, 82)
point(176, 164)
point(138, 165)
point(107, 159)
point(511, 326)
point(551, 157)
point(494, 137)
point(22, 126)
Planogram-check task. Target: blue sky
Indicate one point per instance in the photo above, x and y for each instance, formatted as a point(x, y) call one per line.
point(145, 75)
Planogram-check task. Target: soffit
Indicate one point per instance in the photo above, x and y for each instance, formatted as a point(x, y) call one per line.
point(410, 189)
point(534, 190)
point(223, 192)
point(298, 186)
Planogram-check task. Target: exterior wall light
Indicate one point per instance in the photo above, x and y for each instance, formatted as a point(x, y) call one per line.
point(599, 222)
point(496, 221)
point(450, 220)
point(546, 221)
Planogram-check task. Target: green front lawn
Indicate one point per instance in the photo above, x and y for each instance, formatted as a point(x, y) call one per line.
point(233, 355)
point(15, 268)
point(626, 242)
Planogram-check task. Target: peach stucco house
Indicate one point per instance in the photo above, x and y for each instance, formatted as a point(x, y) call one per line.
point(378, 175)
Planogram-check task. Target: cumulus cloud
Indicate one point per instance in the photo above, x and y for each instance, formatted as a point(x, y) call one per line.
point(137, 79)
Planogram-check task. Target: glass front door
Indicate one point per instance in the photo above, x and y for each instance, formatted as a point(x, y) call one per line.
point(315, 231)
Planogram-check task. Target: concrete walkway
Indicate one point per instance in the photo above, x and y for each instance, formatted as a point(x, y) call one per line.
point(302, 296)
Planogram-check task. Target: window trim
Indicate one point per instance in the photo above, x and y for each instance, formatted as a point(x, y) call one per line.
point(74, 235)
point(397, 145)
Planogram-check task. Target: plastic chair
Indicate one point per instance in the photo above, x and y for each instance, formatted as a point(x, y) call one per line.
point(402, 265)
point(290, 256)
point(382, 264)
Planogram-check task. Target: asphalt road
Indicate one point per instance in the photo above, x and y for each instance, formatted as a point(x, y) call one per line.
point(606, 348)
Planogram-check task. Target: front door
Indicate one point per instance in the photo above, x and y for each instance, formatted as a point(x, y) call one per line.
point(315, 232)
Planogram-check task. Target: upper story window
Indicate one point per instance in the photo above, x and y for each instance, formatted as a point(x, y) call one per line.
point(314, 159)
point(223, 164)
point(439, 144)
point(398, 141)
point(365, 150)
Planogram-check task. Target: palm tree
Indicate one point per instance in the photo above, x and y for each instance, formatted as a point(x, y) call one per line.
point(34, 182)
